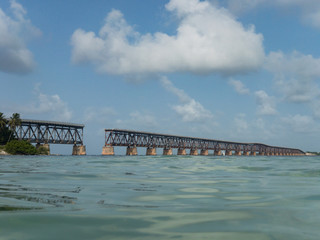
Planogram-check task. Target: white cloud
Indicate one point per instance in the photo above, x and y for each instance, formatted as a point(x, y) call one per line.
point(45, 107)
point(204, 43)
point(239, 87)
point(101, 115)
point(14, 32)
point(189, 110)
point(266, 104)
point(301, 123)
point(53, 106)
point(295, 75)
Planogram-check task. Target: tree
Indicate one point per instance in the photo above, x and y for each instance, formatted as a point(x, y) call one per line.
point(5, 132)
point(14, 122)
point(3, 121)
point(20, 148)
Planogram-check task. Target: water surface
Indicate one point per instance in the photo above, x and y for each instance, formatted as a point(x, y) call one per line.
point(161, 197)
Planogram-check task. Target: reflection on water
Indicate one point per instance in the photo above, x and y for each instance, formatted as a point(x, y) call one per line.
point(141, 197)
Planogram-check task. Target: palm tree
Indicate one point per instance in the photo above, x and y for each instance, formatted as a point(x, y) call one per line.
point(14, 122)
point(3, 121)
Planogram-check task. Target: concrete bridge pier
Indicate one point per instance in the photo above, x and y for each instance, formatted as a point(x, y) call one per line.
point(107, 150)
point(167, 151)
point(151, 151)
point(253, 153)
point(246, 153)
point(237, 153)
point(45, 146)
point(194, 152)
point(228, 153)
point(261, 153)
point(204, 152)
point(79, 150)
point(217, 152)
point(132, 151)
point(182, 151)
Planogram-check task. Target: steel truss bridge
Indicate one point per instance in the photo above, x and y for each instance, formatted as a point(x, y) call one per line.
point(47, 132)
point(134, 139)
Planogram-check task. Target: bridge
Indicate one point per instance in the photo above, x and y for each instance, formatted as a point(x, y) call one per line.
point(44, 133)
point(152, 141)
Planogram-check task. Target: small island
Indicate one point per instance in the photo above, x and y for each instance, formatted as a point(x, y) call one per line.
point(9, 144)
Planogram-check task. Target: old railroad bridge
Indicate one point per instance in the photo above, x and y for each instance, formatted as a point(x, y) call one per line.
point(152, 141)
point(44, 133)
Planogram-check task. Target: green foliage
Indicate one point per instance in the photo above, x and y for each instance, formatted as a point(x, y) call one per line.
point(7, 127)
point(5, 134)
point(17, 147)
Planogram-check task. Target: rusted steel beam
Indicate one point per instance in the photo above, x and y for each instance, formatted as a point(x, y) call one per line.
point(36, 131)
point(121, 137)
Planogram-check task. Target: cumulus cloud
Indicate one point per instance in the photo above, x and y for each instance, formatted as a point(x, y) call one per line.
point(189, 110)
point(266, 103)
point(14, 32)
point(207, 40)
point(239, 87)
point(52, 105)
point(295, 75)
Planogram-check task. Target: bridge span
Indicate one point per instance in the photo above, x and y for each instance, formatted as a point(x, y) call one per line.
point(44, 133)
point(152, 141)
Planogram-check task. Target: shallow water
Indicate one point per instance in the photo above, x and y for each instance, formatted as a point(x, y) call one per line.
point(161, 197)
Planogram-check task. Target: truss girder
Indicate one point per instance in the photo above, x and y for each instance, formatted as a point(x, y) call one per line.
point(50, 132)
point(119, 137)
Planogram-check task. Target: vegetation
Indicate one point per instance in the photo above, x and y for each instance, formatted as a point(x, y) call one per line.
point(20, 147)
point(8, 127)
point(8, 141)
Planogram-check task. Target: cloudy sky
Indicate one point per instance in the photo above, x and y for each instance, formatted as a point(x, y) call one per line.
point(238, 70)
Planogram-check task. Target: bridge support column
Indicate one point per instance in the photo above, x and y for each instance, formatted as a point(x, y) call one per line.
point(237, 153)
point(253, 153)
point(228, 153)
point(44, 146)
point(132, 151)
point(79, 150)
point(246, 153)
point(194, 152)
point(107, 150)
point(217, 152)
point(167, 151)
point(204, 152)
point(182, 151)
point(261, 153)
point(151, 151)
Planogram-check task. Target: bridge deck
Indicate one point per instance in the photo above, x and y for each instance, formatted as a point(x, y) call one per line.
point(37, 131)
point(122, 137)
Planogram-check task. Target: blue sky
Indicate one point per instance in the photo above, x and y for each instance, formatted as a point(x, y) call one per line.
point(237, 70)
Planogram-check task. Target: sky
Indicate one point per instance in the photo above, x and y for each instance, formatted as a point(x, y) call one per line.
point(234, 70)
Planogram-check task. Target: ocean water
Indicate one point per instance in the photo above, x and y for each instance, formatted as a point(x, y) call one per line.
point(161, 197)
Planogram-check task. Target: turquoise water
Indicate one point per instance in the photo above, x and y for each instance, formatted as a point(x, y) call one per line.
point(161, 197)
